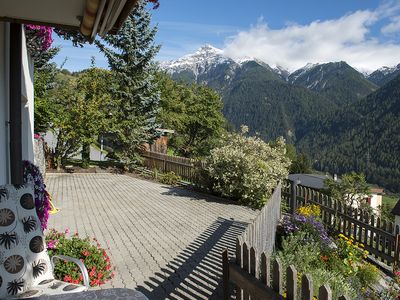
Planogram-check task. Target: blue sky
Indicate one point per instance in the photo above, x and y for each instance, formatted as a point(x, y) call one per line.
point(289, 33)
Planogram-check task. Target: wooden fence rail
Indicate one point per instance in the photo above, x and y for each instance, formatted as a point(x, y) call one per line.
point(260, 278)
point(381, 239)
point(184, 167)
point(261, 233)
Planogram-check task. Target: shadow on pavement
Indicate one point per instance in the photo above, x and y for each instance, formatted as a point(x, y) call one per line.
point(196, 272)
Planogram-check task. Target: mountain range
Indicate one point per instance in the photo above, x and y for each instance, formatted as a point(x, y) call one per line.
point(323, 109)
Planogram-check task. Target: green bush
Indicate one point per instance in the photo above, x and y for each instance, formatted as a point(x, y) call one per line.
point(169, 178)
point(246, 168)
point(368, 274)
point(93, 256)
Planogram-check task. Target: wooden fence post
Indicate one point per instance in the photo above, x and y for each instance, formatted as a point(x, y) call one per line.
point(291, 283)
point(324, 293)
point(306, 288)
point(245, 258)
point(396, 251)
point(225, 273)
point(293, 198)
point(164, 164)
point(265, 269)
point(277, 276)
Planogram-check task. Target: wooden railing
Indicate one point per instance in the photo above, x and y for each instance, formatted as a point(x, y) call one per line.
point(261, 232)
point(256, 277)
point(381, 239)
point(184, 167)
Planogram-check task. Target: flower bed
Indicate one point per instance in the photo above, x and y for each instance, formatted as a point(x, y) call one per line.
point(87, 250)
point(336, 261)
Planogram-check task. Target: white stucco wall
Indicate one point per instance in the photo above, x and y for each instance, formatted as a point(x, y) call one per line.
point(376, 201)
point(26, 103)
point(3, 104)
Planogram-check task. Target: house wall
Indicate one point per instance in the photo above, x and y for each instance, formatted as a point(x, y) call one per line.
point(3, 103)
point(376, 201)
point(26, 103)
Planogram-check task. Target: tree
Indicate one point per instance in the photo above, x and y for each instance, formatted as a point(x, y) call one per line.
point(65, 108)
point(95, 107)
point(130, 57)
point(195, 113)
point(352, 189)
point(301, 164)
point(44, 80)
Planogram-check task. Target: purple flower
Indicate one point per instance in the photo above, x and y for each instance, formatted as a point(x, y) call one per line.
point(297, 223)
point(33, 176)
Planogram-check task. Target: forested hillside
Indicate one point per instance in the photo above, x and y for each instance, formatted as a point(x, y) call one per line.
point(362, 137)
point(270, 106)
point(338, 81)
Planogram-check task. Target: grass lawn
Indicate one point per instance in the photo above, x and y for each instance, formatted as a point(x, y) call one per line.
point(389, 200)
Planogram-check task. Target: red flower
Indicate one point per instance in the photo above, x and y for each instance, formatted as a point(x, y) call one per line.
point(99, 275)
point(67, 278)
point(324, 257)
point(86, 253)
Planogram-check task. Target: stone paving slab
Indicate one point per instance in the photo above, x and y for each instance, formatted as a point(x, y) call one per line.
point(164, 241)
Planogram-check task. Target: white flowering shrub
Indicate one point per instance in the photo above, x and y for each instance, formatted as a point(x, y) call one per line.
point(247, 168)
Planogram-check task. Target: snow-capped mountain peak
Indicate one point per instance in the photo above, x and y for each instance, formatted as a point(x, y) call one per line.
point(200, 61)
point(387, 70)
point(208, 49)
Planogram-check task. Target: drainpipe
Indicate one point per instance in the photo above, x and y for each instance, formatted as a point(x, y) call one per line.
point(15, 103)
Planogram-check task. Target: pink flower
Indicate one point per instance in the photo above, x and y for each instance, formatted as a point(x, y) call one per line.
point(67, 231)
point(50, 245)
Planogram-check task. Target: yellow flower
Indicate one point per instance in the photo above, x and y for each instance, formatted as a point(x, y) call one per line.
point(362, 245)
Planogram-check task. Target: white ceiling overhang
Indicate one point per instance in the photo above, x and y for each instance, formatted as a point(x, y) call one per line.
point(89, 16)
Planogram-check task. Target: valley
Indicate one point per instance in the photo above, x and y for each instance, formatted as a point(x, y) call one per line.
point(342, 119)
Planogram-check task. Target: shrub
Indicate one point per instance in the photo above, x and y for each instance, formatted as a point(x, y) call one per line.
point(247, 168)
point(368, 274)
point(93, 256)
point(169, 178)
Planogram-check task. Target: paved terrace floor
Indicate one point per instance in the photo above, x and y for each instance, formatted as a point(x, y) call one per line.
point(163, 241)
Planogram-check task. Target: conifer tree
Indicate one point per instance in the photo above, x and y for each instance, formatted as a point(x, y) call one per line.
point(130, 55)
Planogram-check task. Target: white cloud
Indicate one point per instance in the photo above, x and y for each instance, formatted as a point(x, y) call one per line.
point(345, 39)
point(393, 26)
